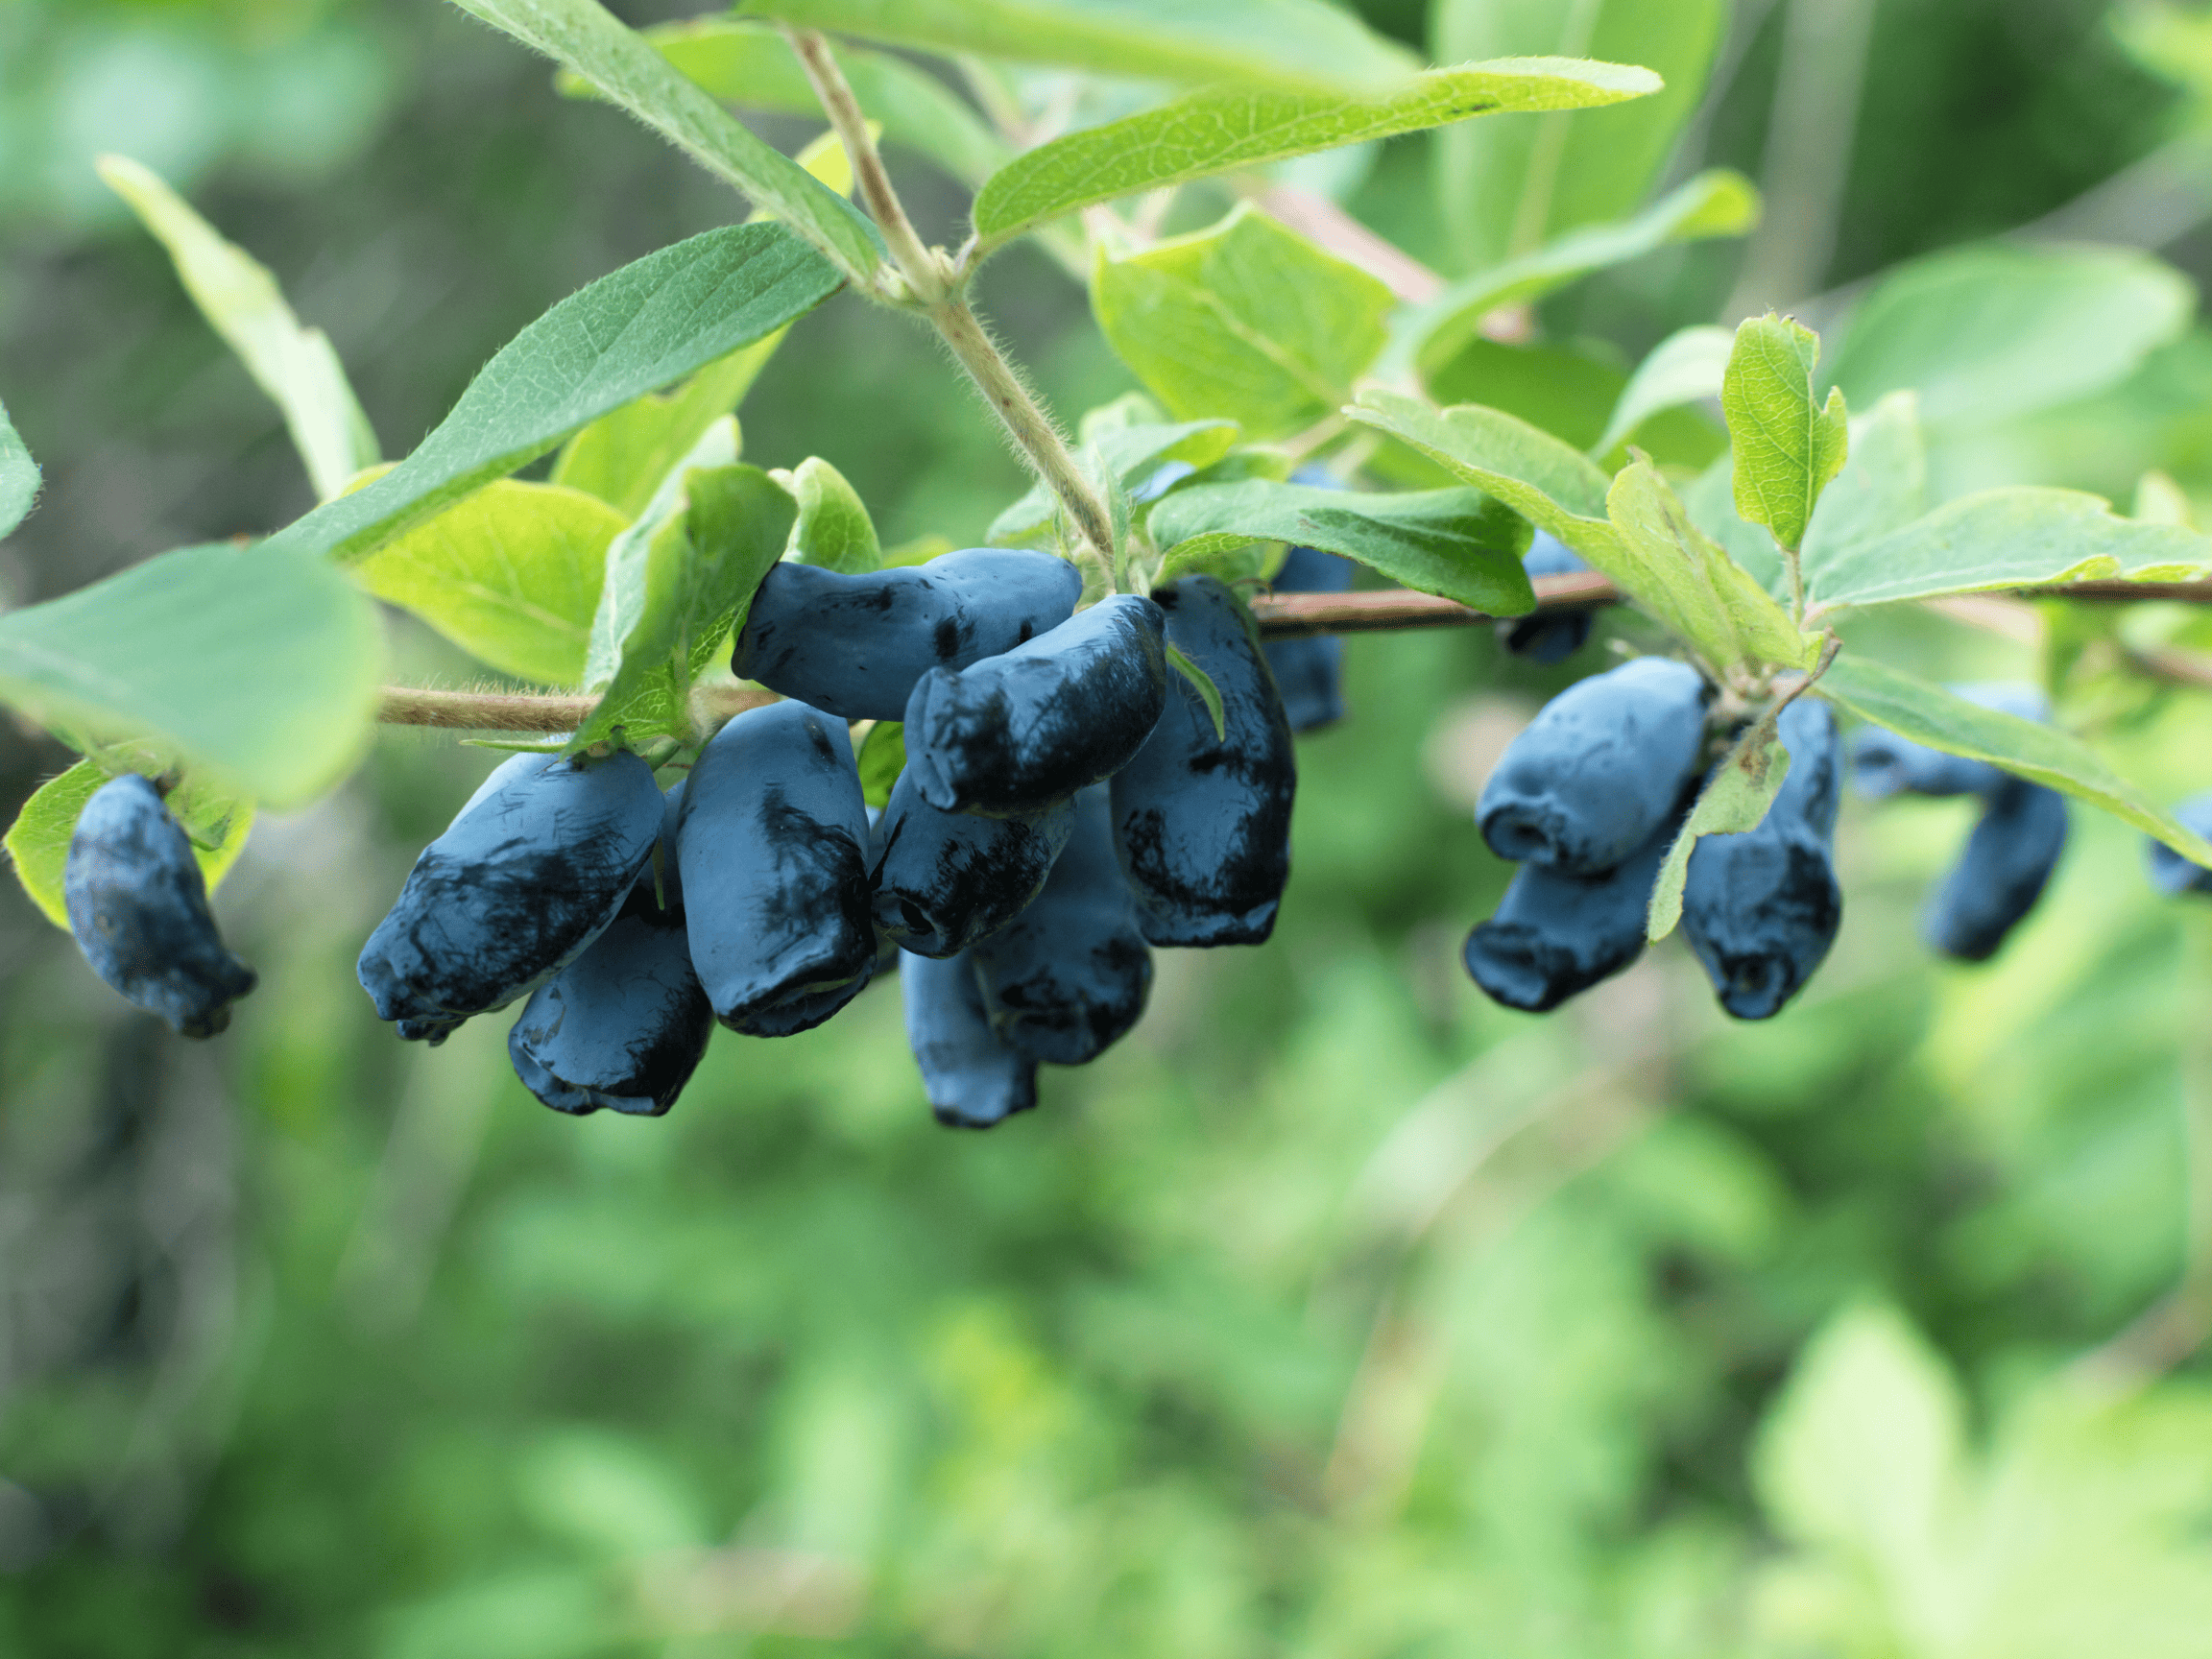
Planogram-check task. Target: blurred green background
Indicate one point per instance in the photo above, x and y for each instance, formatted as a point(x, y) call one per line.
point(1336, 1313)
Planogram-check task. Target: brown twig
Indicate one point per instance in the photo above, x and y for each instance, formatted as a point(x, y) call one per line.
point(552, 712)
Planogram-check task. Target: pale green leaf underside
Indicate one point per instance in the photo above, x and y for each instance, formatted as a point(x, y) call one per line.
point(1305, 43)
point(749, 64)
point(1786, 444)
point(1715, 204)
point(258, 663)
point(19, 476)
point(1673, 569)
point(1929, 715)
point(1226, 129)
point(1132, 454)
point(296, 367)
point(37, 842)
point(1459, 544)
point(1686, 367)
point(511, 574)
point(582, 37)
point(1733, 802)
point(642, 327)
point(832, 529)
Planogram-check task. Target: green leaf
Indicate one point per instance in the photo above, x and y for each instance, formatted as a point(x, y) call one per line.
point(1677, 574)
point(749, 64)
point(1505, 188)
point(1201, 682)
point(1228, 130)
point(881, 759)
point(1459, 543)
point(1733, 802)
point(1303, 43)
point(1929, 715)
point(216, 819)
point(256, 664)
point(295, 366)
point(1882, 487)
point(1990, 333)
point(19, 476)
point(584, 37)
point(1714, 203)
point(1246, 320)
point(1130, 453)
point(1787, 446)
point(1686, 367)
point(647, 324)
point(832, 529)
point(510, 574)
point(2021, 538)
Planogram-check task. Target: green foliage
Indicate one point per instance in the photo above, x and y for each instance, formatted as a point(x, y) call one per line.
point(1222, 130)
point(832, 529)
point(1687, 365)
point(37, 843)
point(1127, 442)
point(881, 758)
point(19, 476)
point(1787, 444)
point(1300, 43)
point(1201, 682)
point(1733, 802)
point(1455, 542)
point(1504, 189)
point(295, 366)
point(258, 663)
point(510, 574)
point(622, 456)
point(647, 324)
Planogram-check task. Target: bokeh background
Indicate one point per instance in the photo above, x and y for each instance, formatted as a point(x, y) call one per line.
point(1337, 1311)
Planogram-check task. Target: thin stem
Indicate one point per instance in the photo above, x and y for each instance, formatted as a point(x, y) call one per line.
point(1794, 562)
point(924, 272)
point(548, 711)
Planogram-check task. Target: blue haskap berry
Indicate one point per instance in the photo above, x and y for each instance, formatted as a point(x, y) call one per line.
point(1309, 673)
point(771, 848)
point(943, 880)
point(973, 1079)
point(1883, 764)
point(1203, 823)
point(2172, 873)
point(624, 1024)
point(1597, 770)
point(1548, 635)
point(2007, 860)
point(138, 907)
point(855, 645)
point(1760, 908)
point(1021, 731)
point(1555, 935)
point(528, 874)
point(1069, 976)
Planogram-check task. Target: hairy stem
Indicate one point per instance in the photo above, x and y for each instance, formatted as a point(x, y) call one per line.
point(548, 711)
point(924, 272)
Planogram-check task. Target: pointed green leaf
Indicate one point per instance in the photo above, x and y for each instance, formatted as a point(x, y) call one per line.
point(1715, 204)
point(647, 324)
point(1733, 802)
point(1227, 129)
point(1686, 367)
point(622, 456)
point(1246, 320)
point(624, 595)
point(1674, 570)
point(1882, 487)
point(259, 665)
point(295, 366)
point(19, 476)
point(1131, 453)
point(1305, 43)
point(216, 819)
point(511, 574)
point(584, 37)
point(1505, 188)
point(1929, 715)
point(832, 529)
point(1201, 682)
point(1459, 543)
point(881, 759)
point(1787, 446)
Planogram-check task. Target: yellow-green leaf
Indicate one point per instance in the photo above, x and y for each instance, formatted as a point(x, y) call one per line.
point(19, 476)
point(1787, 443)
point(1733, 802)
point(216, 819)
point(832, 529)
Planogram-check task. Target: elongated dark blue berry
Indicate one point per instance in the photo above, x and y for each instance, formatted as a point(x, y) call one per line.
point(624, 1025)
point(1600, 768)
point(1022, 732)
point(1549, 635)
point(2171, 873)
point(1202, 823)
point(1555, 935)
point(855, 645)
point(138, 907)
point(528, 874)
point(2006, 862)
point(1310, 672)
point(973, 1078)
point(943, 880)
point(1069, 976)
point(1760, 908)
point(771, 848)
